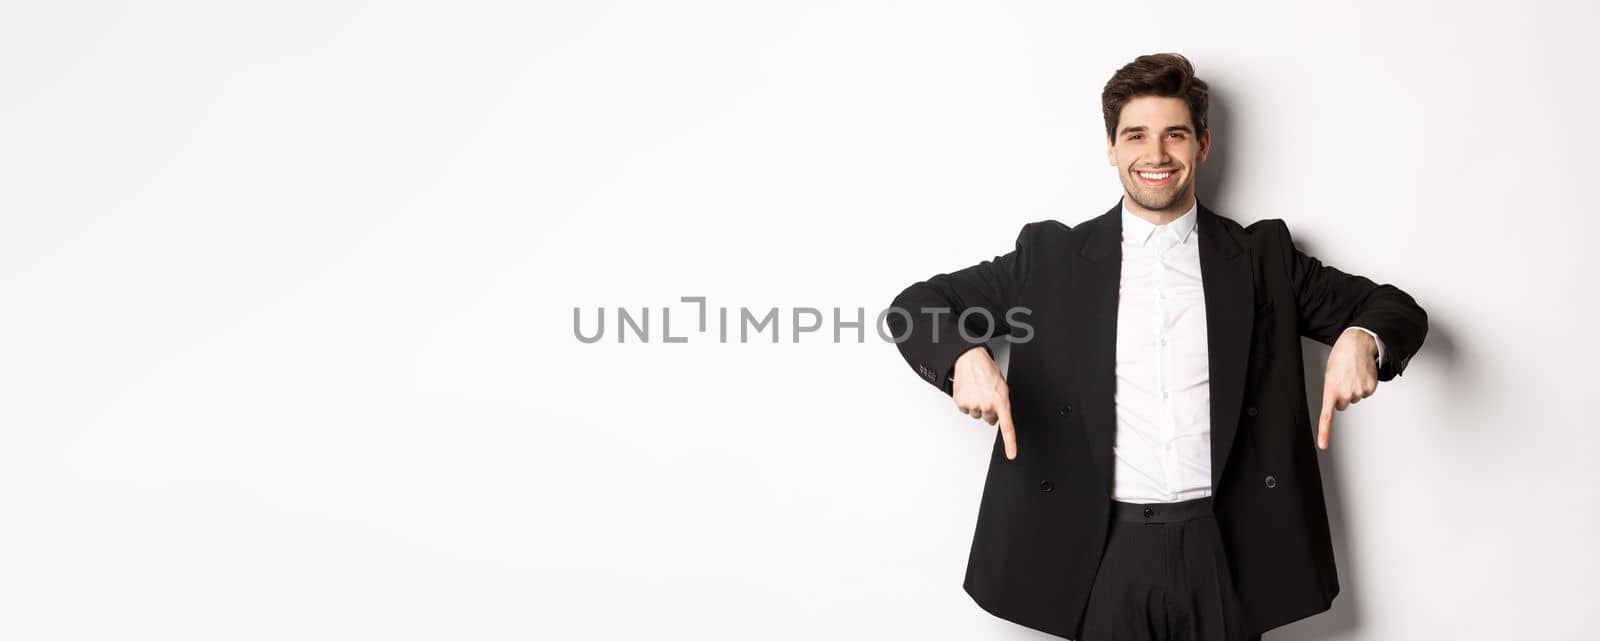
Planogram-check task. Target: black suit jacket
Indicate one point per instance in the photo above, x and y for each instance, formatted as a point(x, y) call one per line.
point(1043, 520)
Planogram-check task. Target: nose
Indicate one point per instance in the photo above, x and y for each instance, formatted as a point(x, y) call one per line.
point(1161, 154)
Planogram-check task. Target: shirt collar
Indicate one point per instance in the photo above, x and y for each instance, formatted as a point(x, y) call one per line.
point(1139, 231)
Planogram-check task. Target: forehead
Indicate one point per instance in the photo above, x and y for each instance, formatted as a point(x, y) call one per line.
point(1154, 113)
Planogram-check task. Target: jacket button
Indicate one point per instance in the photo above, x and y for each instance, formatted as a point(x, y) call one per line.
point(1251, 411)
point(1066, 409)
point(1046, 486)
point(1149, 513)
point(1272, 481)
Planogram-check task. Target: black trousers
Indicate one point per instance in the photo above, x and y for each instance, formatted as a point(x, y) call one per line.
point(1164, 577)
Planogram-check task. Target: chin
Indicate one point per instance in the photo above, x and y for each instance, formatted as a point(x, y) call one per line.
point(1157, 204)
point(1160, 201)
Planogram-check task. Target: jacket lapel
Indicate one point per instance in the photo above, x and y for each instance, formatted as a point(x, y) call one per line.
point(1096, 281)
point(1229, 297)
point(1230, 319)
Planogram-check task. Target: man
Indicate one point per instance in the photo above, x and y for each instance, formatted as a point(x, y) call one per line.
point(1154, 475)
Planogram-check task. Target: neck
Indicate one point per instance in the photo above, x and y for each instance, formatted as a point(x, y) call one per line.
point(1158, 217)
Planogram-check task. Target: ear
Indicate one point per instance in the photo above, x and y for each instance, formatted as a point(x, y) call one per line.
point(1111, 150)
point(1205, 148)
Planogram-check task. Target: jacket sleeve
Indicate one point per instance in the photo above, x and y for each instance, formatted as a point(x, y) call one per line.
point(924, 319)
point(1328, 301)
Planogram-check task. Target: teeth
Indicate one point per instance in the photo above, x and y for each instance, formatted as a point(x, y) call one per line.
point(1159, 176)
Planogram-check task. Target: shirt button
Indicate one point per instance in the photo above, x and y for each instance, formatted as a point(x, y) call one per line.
point(1272, 481)
point(1163, 395)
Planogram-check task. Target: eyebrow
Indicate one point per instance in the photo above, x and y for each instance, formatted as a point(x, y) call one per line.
point(1140, 128)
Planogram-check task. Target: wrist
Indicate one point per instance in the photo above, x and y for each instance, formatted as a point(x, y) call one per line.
point(969, 358)
point(1367, 343)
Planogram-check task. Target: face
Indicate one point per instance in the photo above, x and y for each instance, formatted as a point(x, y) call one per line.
point(1156, 153)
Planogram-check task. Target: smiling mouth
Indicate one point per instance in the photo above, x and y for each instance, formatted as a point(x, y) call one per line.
point(1156, 178)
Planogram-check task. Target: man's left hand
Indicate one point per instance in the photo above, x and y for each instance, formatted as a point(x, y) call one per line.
point(1352, 375)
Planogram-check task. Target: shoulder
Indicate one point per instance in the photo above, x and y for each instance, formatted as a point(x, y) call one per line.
point(1056, 233)
point(1051, 241)
point(1267, 234)
point(1266, 228)
point(1043, 234)
point(1267, 241)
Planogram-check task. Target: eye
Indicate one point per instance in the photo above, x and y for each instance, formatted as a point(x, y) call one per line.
point(1177, 135)
point(1135, 136)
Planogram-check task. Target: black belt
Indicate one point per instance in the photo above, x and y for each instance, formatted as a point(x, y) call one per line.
point(1161, 512)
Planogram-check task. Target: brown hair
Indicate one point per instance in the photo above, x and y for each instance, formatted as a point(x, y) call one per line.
point(1167, 75)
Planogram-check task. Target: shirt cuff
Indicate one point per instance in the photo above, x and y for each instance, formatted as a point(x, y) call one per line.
point(1381, 351)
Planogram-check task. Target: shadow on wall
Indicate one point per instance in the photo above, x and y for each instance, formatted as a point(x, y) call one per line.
point(1212, 177)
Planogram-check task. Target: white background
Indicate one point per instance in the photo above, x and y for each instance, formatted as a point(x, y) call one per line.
point(286, 293)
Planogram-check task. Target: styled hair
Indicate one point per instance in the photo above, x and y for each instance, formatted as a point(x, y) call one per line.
point(1167, 75)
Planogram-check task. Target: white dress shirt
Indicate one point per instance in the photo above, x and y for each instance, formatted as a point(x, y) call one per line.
point(1163, 375)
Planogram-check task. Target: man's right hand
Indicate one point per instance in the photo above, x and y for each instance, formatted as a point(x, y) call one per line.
point(980, 392)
